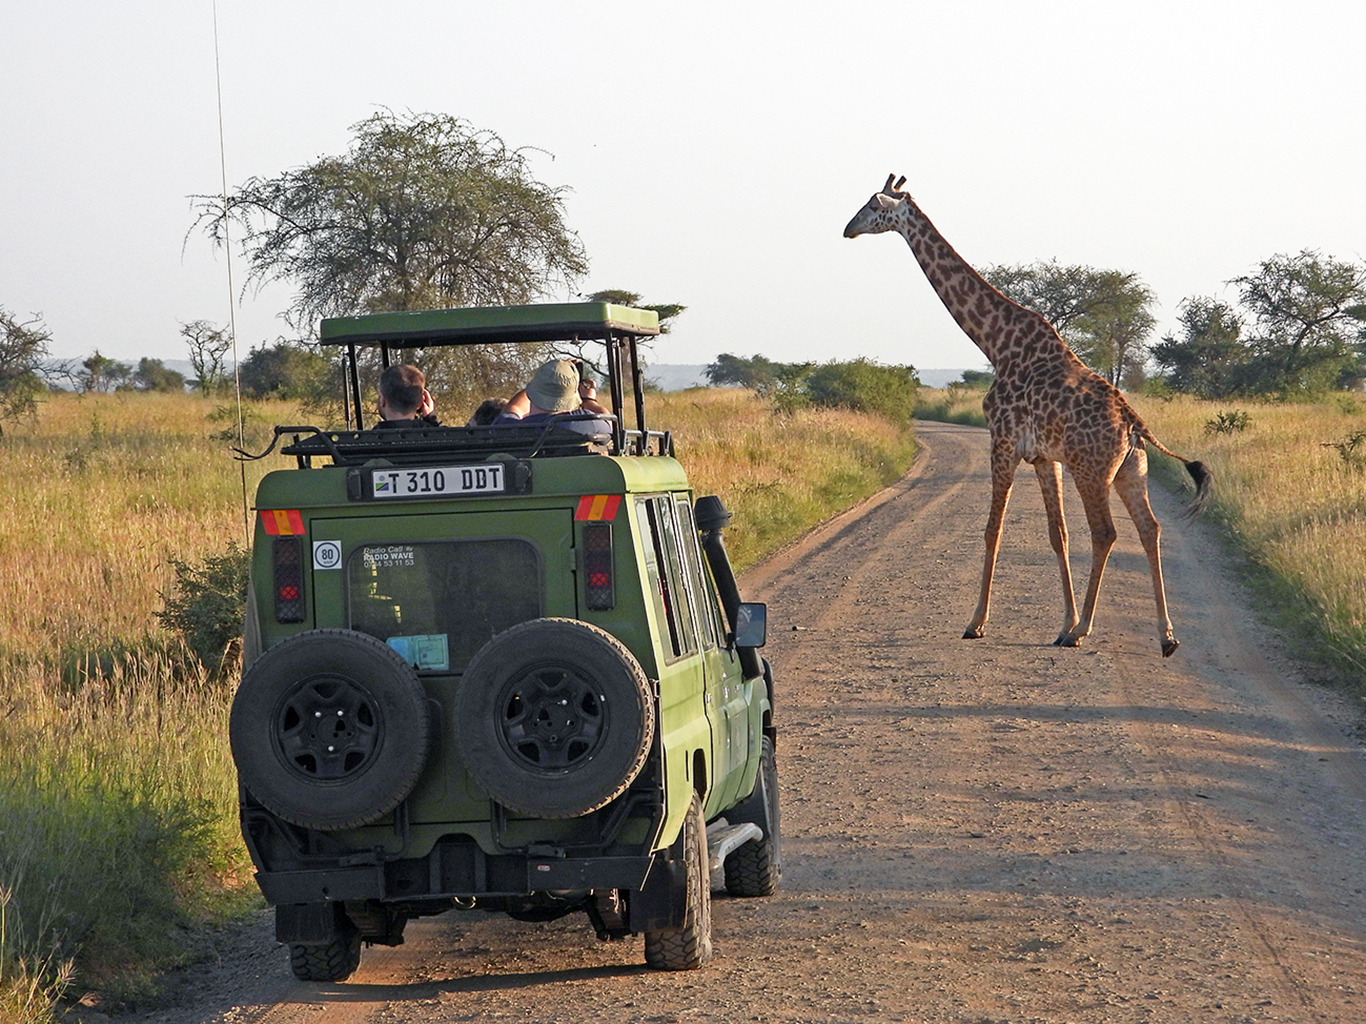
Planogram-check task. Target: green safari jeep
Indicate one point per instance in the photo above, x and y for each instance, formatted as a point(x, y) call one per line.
point(503, 668)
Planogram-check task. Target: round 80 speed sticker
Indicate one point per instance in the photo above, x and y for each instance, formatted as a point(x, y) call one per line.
point(327, 554)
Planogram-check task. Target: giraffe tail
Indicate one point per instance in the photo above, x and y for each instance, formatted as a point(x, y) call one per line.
point(1199, 472)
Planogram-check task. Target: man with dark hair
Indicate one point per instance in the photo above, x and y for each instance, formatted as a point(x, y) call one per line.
point(404, 400)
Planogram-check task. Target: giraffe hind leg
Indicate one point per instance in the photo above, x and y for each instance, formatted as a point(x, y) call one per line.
point(1132, 484)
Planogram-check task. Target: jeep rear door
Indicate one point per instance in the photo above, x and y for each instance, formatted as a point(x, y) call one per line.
point(437, 587)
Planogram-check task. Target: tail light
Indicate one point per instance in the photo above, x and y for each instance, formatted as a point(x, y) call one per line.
point(600, 592)
point(289, 579)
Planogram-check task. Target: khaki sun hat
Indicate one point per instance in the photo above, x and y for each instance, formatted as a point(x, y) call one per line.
point(554, 386)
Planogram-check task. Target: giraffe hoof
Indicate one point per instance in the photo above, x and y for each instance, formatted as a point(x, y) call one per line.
point(1169, 646)
point(973, 633)
point(1067, 641)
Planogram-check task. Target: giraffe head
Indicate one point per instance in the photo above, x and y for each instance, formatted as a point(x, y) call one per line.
point(878, 213)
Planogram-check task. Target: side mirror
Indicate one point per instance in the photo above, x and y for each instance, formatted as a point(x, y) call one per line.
point(751, 624)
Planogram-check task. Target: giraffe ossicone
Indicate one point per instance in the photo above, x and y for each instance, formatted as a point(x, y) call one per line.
point(1046, 408)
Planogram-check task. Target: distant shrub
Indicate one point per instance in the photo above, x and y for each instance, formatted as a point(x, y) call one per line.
point(1229, 421)
point(1352, 450)
point(287, 369)
point(154, 375)
point(976, 380)
point(865, 386)
point(207, 606)
point(861, 385)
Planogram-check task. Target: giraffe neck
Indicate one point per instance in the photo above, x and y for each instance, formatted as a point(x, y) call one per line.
point(1005, 331)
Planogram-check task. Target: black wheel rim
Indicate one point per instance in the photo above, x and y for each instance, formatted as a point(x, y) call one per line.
point(551, 720)
point(328, 729)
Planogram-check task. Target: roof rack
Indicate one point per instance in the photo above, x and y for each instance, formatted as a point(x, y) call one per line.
point(482, 325)
point(618, 327)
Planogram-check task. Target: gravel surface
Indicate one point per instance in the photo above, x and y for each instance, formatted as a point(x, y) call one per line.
point(976, 832)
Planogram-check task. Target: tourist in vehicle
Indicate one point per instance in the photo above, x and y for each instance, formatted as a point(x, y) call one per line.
point(404, 400)
point(555, 389)
point(489, 410)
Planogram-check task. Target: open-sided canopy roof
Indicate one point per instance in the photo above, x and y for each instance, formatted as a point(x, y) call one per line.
point(564, 321)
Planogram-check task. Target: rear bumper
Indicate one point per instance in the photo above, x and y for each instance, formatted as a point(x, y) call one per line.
point(454, 870)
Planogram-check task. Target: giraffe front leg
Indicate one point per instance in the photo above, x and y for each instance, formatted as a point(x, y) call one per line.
point(1002, 479)
point(1050, 482)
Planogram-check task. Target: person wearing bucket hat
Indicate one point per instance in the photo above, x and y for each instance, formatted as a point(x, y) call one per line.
point(554, 389)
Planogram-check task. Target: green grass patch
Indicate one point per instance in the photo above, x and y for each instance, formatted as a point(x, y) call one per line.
point(951, 405)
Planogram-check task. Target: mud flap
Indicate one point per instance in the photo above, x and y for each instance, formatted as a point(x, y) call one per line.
point(661, 903)
point(312, 924)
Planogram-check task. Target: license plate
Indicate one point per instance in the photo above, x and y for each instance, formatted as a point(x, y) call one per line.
point(436, 481)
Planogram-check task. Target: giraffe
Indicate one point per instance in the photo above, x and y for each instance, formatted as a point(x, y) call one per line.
point(1045, 408)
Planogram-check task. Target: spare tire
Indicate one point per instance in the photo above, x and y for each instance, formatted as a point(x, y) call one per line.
point(330, 729)
point(554, 718)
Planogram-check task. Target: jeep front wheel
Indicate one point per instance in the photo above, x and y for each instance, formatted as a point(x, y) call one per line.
point(554, 718)
point(756, 867)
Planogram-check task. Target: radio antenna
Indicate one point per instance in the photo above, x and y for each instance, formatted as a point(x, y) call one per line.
point(232, 291)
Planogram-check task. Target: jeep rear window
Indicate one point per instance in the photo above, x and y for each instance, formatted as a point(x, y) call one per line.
point(438, 602)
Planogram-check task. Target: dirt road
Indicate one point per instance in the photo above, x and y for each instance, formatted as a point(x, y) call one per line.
point(976, 831)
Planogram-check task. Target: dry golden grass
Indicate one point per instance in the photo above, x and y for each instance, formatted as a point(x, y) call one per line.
point(129, 769)
point(102, 490)
point(1294, 504)
point(779, 474)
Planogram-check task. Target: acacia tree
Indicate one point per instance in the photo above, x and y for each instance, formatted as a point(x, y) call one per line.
point(102, 373)
point(208, 347)
point(666, 311)
point(23, 348)
point(1105, 316)
point(1309, 315)
point(154, 375)
point(1208, 358)
point(1300, 328)
point(423, 212)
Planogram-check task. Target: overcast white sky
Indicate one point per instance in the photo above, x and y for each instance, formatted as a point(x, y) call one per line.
point(715, 150)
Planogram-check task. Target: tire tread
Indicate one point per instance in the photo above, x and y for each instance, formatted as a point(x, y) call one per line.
point(335, 961)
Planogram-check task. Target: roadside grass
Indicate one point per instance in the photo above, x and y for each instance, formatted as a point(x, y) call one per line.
point(951, 405)
point(779, 473)
point(1292, 498)
point(118, 799)
point(119, 806)
point(117, 794)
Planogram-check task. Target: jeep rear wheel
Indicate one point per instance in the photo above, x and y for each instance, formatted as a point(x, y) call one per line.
point(329, 729)
point(554, 718)
point(335, 961)
point(689, 947)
